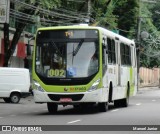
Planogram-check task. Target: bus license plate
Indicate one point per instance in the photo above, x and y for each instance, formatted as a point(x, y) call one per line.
point(65, 99)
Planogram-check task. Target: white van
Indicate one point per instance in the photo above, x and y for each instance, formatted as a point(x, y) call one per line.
point(14, 84)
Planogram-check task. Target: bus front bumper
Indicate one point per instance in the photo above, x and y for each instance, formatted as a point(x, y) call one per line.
point(99, 95)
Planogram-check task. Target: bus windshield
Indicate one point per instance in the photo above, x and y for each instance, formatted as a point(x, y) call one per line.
point(67, 53)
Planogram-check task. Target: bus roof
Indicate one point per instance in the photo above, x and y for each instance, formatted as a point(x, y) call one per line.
point(105, 31)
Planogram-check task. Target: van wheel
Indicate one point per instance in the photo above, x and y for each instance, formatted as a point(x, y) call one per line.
point(52, 107)
point(7, 100)
point(103, 106)
point(15, 97)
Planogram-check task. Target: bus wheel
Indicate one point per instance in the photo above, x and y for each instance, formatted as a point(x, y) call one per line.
point(7, 100)
point(125, 101)
point(103, 106)
point(15, 97)
point(52, 108)
point(122, 102)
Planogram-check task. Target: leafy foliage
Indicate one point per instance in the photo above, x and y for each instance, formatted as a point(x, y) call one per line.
point(127, 10)
point(151, 46)
point(119, 15)
point(102, 12)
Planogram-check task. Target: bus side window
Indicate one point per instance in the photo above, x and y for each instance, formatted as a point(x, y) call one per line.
point(104, 54)
point(125, 54)
point(103, 51)
point(111, 51)
point(122, 48)
point(128, 54)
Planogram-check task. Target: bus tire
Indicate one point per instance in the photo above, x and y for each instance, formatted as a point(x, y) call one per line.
point(52, 107)
point(123, 102)
point(103, 106)
point(117, 103)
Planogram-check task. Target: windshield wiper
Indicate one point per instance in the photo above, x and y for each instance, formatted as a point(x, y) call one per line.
point(54, 45)
point(78, 47)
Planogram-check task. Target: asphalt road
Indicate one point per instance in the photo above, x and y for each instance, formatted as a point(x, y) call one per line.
point(144, 109)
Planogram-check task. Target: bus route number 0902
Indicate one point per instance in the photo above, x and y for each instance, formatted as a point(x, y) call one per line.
point(56, 73)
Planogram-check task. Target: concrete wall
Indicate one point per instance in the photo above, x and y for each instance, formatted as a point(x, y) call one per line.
point(149, 76)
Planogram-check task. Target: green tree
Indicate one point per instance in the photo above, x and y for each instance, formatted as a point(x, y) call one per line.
point(151, 46)
point(127, 12)
point(46, 4)
point(102, 13)
point(119, 15)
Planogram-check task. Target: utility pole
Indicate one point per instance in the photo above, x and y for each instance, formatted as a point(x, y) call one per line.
point(139, 36)
point(89, 7)
point(89, 10)
point(138, 42)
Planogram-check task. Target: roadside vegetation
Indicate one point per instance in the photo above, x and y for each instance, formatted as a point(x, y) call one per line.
point(120, 16)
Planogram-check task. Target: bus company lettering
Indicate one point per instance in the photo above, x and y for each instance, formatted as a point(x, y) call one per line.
point(73, 89)
point(65, 89)
point(77, 89)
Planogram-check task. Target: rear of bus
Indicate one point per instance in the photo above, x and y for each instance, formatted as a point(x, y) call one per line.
point(67, 67)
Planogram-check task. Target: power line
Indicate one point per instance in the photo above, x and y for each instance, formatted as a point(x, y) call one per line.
point(52, 13)
point(30, 18)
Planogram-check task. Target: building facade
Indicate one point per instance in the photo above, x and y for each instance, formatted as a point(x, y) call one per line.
point(21, 57)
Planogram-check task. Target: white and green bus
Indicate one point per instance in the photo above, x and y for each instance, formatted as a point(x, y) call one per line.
point(79, 65)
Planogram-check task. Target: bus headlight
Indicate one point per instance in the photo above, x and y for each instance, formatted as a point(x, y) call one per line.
point(94, 85)
point(37, 86)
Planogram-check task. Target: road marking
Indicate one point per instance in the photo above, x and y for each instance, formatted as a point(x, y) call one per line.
point(153, 100)
point(138, 104)
point(73, 121)
point(115, 110)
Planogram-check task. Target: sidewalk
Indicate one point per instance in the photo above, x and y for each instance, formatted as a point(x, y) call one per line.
point(149, 85)
point(148, 88)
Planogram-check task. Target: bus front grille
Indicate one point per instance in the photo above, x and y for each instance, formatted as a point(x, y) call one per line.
point(74, 97)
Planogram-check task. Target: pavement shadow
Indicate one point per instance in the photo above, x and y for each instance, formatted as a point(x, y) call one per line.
point(78, 111)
